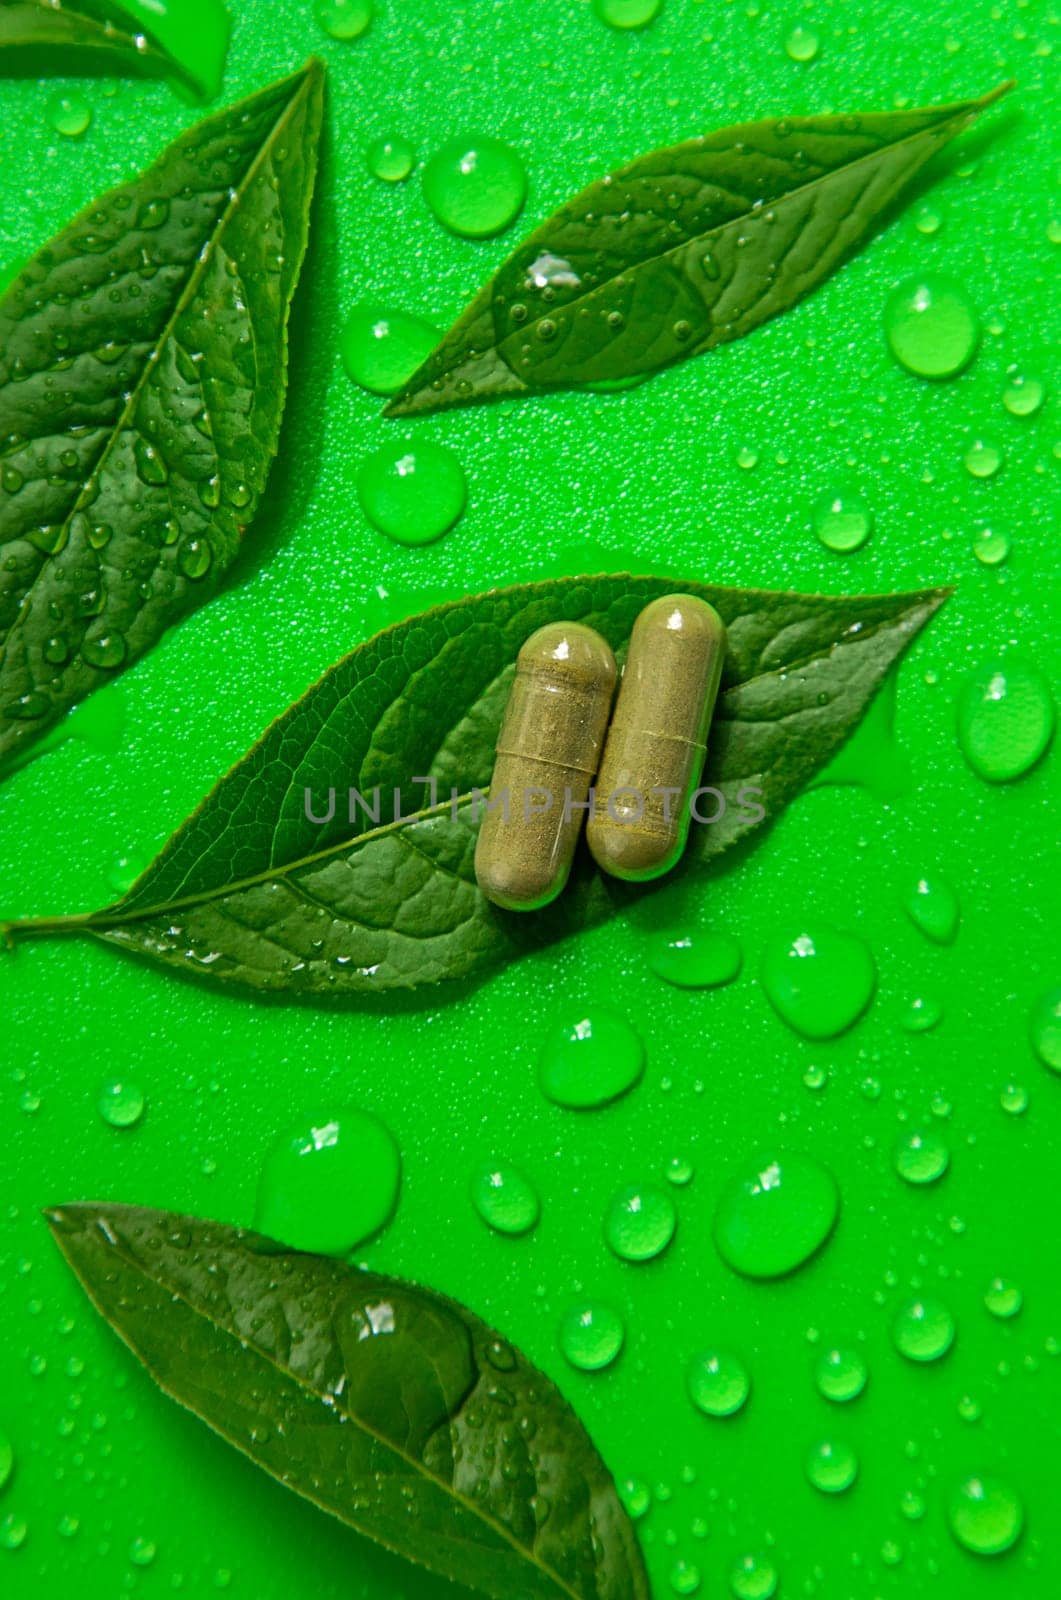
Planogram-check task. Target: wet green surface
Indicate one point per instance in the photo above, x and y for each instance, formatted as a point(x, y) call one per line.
point(711, 471)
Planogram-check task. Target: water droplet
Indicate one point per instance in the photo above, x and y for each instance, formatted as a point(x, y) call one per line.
point(1023, 394)
point(932, 906)
point(815, 1076)
point(773, 1216)
point(49, 539)
point(505, 1199)
point(754, 1577)
point(840, 1374)
point(194, 558)
point(747, 458)
point(13, 1530)
point(968, 1409)
point(1045, 1029)
point(10, 480)
point(28, 707)
point(923, 1012)
point(153, 214)
point(344, 19)
point(391, 159)
point(718, 1383)
point(801, 44)
point(983, 458)
point(832, 1466)
point(7, 1459)
point(591, 1336)
point(210, 492)
point(104, 650)
point(475, 186)
point(636, 1496)
point(99, 534)
point(818, 980)
point(412, 492)
point(142, 1551)
point(679, 1171)
point(121, 1103)
point(1013, 1098)
point(921, 1157)
point(149, 463)
point(843, 522)
point(329, 1183)
point(931, 328)
point(684, 1575)
point(1005, 720)
point(69, 114)
point(381, 348)
point(628, 14)
point(591, 1062)
point(640, 1222)
point(1003, 1299)
point(923, 1330)
point(928, 219)
point(911, 1505)
point(985, 1515)
point(991, 546)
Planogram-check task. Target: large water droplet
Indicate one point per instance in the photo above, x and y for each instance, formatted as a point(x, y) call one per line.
point(832, 1466)
point(627, 14)
point(991, 546)
point(475, 186)
point(840, 1374)
point(819, 980)
point(329, 1183)
point(121, 1103)
point(923, 1330)
point(381, 348)
point(695, 960)
point(592, 1061)
point(1023, 394)
point(983, 458)
point(921, 1157)
point(754, 1577)
point(801, 44)
point(718, 1383)
point(1045, 1029)
point(1005, 720)
point(390, 160)
point(344, 19)
point(775, 1214)
point(505, 1199)
point(932, 906)
point(985, 1515)
point(640, 1222)
point(843, 522)
point(931, 327)
point(591, 1336)
point(412, 492)
point(69, 114)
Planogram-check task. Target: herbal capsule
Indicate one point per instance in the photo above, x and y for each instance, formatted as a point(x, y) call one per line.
point(657, 739)
point(547, 753)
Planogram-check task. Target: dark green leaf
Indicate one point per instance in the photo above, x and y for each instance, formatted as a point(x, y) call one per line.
point(252, 891)
point(386, 1404)
point(97, 36)
point(143, 360)
point(682, 250)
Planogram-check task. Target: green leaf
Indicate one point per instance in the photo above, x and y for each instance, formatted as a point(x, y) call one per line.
point(253, 892)
point(186, 40)
point(143, 369)
point(680, 251)
point(388, 1405)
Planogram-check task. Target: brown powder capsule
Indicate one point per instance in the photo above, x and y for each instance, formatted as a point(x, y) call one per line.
point(657, 739)
point(547, 754)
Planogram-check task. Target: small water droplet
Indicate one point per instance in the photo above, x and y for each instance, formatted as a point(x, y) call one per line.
point(628, 14)
point(13, 1530)
point(774, 1215)
point(1005, 720)
point(991, 546)
point(911, 1505)
point(923, 1330)
point(69, 114)
point(121, 1103)
point(932, 906)
point(1013, 1098)
point(382, 348)
point(931, 327)
point(149, 463)
point(684, 1575)
point(843, 522)
point(819, 980)
point(1045, 1029)
point(928, 219)
point(639, 1222)
point(104, 650)
point(344, 19)
point(718, 1383)
point(636, 1496)
point(923, 1012)
point(754, 1576)
point(194, 558)
point(142, 1551)
point(505, 1199)
point(1023, 394)
point(414, 492)
point(985, 1515)
point(815, 1076)
point(1002, 1298)
point(591, 1336)
point(747, 458)
point(840, 1374)
point(329, 1183)
point(679, 1171)
point(390, 159)
point(832, 1466)
point(983, 458)
point(801, 44)
point(591, 1062)
point(476, 186)
point(921, 1157)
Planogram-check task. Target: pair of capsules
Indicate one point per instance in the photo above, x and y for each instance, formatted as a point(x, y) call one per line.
point(555, 728)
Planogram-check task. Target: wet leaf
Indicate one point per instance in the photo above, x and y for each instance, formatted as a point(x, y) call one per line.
point(143, 361)
point(386, 1404)
point(255, 892)
point(129, 37)
point(680, 251)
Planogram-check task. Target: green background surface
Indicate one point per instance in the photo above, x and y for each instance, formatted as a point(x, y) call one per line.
point(567, 483)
